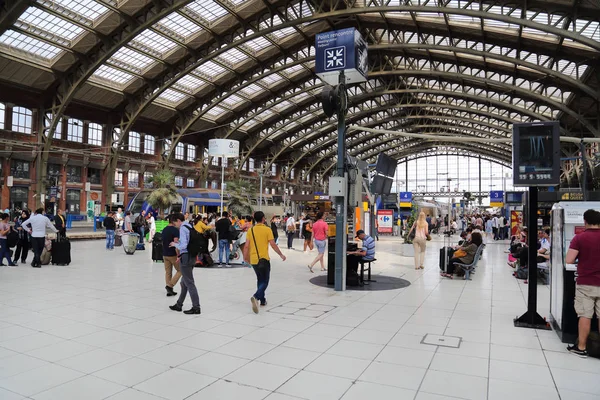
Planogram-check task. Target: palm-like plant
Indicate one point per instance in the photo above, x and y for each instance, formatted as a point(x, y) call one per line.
point(239, 192)
point(164, 193)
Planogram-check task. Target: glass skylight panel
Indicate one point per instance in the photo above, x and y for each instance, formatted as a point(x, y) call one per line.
point(280, 33)
point(251, 90)
point(210, 69)
point(87, 9)
point(232, 57)
point(208, 10)
point(292, 70)
point(265, 114)
point(283, 105)
point(54, 28)
point(215, 111)
point(106, 73)
point(256, 45)
point(190, 83)
point(26, 44)
point(180, 25)
point(154, 43)
point(271, 80)
point(233, 101)
point(131, 60)
point(172, 96)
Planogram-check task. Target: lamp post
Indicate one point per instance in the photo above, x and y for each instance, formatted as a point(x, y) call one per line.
point(225, 149)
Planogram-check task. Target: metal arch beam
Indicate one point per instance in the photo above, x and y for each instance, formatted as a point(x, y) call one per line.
point(575, 83)
point(10, 12)
point(73, 81)
point(336, 14)
point(398, 140)
point(467, 96)
point(432, 105)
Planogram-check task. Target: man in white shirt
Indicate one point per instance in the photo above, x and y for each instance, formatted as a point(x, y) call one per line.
point(290, 230)
point(495, 227)
point(300, 223)
point(37, 229)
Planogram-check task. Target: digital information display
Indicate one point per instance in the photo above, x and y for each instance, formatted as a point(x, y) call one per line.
point(536, 154)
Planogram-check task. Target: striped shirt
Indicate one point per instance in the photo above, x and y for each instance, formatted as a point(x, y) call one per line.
point(368, 246)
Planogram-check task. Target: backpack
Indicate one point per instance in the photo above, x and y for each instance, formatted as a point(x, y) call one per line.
point(12, 237)
point(196, 242)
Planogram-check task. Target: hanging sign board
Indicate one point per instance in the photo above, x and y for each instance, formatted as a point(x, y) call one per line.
point(342, 50)
point(405, 199)
point(536, 154)
point(223, 148)
point(496, 198)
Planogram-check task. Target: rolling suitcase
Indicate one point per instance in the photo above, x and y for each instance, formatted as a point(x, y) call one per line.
point(118, 240)
point(61, 251)
point(157, 248)
point(443, 264)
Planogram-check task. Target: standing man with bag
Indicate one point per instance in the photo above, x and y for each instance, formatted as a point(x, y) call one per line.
point(37, 229)
point(256, 253)
point(223, 227)
point(188, 250)
point(290, 230)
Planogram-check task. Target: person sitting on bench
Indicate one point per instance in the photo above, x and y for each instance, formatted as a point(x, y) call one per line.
point(470, 249)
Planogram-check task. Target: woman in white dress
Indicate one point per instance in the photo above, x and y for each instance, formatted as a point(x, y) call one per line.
point(152, 224)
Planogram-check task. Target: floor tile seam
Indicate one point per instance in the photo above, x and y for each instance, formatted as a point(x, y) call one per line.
point(52, 362)
point(83, 374)
point(529, 384)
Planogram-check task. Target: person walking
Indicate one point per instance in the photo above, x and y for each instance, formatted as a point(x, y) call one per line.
point(4, 249)
point(274, 229)
point(421, 228)
point(141, 225)
point(256, 253)
point(37, 229)
point(60, 224)
point(170, 234)
point(222, 227)
point(290, 230)
point(111, 226)
point(584, 250)
point(187, 260)
point(320, 231)
point(307, 233)
point(23, 243)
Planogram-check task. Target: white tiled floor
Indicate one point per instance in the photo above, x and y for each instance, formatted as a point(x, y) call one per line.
point(101, 329)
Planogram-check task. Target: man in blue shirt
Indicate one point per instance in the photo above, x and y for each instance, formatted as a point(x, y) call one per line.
point(366, 253)
point(186, 262)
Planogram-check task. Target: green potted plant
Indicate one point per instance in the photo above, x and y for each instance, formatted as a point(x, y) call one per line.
point(164, 193)
point(240, 191)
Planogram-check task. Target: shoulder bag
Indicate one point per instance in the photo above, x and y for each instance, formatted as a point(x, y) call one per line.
point(412, 233)
point(262, 262)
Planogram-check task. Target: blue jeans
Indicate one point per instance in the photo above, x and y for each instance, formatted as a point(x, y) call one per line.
point(110, 239)
point(224, 246)
point(5, 251)
point(262, 281)
point(142, 234)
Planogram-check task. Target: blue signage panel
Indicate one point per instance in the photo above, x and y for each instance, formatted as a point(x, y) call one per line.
point(496, 197)
point(405, 197)
point(342, 50)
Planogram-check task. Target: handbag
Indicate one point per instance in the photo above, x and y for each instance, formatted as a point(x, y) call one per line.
point(428, 237)
point(459, 253)
point(262, 262)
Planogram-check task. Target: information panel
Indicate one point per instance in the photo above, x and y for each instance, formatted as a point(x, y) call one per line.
point(405, 199)
point(496, 198)
point(385, 221)
point(344, 49)
point(536, 154)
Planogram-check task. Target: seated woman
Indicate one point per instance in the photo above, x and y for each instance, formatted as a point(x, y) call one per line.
point(470, 249)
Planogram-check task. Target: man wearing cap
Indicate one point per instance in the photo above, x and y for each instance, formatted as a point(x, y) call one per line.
point(366, 253)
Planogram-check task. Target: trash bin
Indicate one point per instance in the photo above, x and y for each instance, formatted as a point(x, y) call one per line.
point(99, 221)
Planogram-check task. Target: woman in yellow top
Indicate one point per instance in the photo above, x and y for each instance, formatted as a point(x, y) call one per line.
point(200, 226)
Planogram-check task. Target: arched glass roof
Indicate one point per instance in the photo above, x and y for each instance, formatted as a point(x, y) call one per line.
point(245, 69)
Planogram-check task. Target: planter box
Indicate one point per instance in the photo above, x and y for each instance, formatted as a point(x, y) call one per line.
point(407, 250)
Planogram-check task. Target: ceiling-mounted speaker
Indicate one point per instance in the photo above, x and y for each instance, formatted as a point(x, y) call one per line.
point(329, 101)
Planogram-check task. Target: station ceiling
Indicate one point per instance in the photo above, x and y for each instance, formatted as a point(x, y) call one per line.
point(245, 70)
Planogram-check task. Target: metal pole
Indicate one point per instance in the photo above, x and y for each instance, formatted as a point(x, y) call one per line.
point(261, 192)
point(584, 172)
point(340, 202)
point(222, 180)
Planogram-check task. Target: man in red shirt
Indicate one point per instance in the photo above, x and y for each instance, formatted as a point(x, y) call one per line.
point(585, 248)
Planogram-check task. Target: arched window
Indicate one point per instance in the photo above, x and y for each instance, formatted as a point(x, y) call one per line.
point(179, 151)
point(134, 142)
point(95, 134)
point(75, 130)
point(2, 115)
point(191, 152)
point(57, 130)
point(21, 121)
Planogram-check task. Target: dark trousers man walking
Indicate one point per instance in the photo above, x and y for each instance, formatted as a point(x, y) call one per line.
point(37, 245)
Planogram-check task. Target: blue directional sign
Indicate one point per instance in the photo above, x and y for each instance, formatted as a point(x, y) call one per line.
point(405, 199)
point(496, 198)
point(345, 50)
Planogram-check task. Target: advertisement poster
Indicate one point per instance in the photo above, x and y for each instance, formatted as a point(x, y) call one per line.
point(516, 220)
point(385, 221)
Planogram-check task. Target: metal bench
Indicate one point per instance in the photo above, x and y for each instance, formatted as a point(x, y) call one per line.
point(469, 268)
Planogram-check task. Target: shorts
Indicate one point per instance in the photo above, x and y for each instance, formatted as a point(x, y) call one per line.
point(321, 245)
point(587, 299)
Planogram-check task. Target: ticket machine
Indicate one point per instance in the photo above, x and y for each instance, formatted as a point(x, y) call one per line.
point(567, 221)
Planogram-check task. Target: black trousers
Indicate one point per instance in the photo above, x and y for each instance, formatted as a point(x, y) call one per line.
point(37, 244)
point(290, 237)
point(22, 250)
